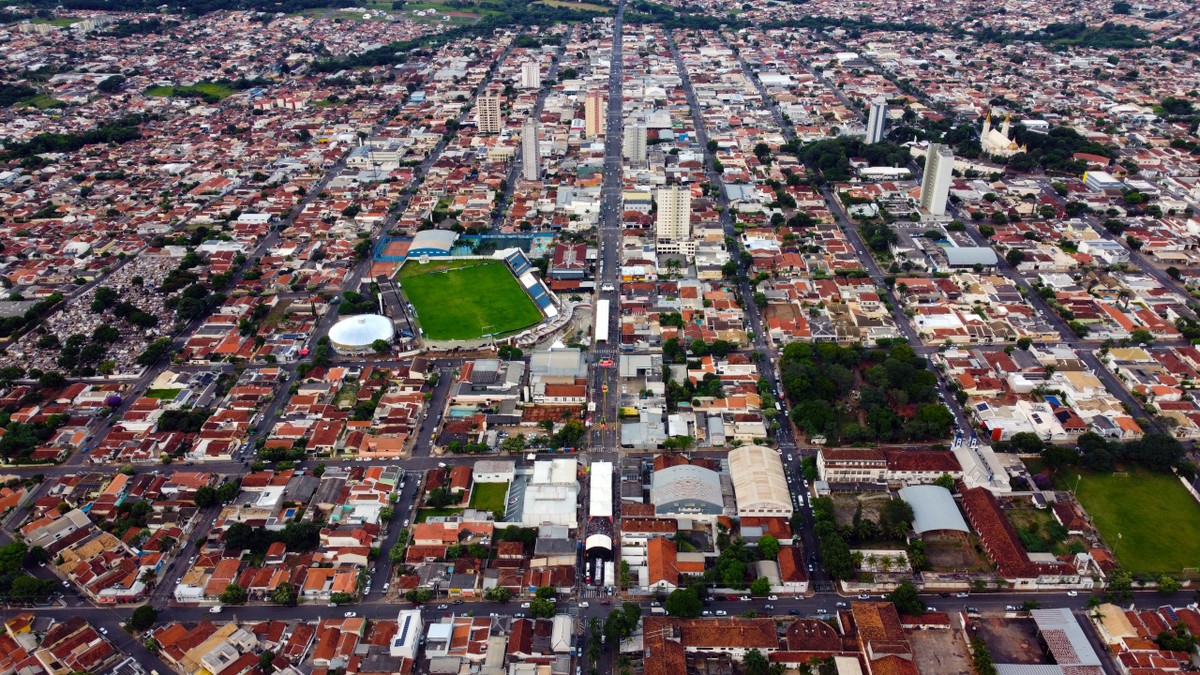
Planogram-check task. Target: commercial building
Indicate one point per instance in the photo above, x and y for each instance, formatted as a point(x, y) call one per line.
point(552, 494)
point(530, 163)
point(357, 334)
point(875, 120)
point(935, 184)
point(686, 489)
point(409, 631)
point(432, 243)
point(970, 256)
point(759, 483)
point(1100, 181)
point(673, 223)
point(633, 145)
point(933, 509)
point(487, 114)
point(531, 75)
point(593, 114)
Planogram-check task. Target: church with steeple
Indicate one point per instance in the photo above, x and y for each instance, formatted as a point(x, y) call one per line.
point(999, 142)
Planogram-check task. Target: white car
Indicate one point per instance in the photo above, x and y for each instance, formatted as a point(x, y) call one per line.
point(721, 612)
point(772, 597)
point(1071, 594)
point(524, 605)
point(104, 631)
point(349, 615)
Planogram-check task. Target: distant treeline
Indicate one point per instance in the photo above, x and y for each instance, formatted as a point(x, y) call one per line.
point(116, 131)
point(193, 6)
point(1106, 36)
point(510, 13)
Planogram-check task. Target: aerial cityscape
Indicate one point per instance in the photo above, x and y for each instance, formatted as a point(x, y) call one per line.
point(629, 337)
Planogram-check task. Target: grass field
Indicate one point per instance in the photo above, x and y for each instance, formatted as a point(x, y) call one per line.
point(465, 301)
point(61, 22)
point(489, 497)
point(164, 394)
point(43, 101)
point(200, 89)
point(1149, 519)
point(582, 6)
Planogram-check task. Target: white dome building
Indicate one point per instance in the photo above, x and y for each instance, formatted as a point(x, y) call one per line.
point(354, 334)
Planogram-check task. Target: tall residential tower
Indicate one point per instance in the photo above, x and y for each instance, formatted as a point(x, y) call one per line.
point(531, 75)
point(935, 184)
point(487, 114)
point(530, 162)
point(673, 221)
point(593, 114)
point(633, 144)
point(875, 120)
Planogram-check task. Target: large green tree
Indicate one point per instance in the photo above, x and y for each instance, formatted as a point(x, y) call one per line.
point(541, 608)
point(144, 616)
point(234, 595)
point(907, 600)
point(683, 603)
point(285, 594)
point(768, 547)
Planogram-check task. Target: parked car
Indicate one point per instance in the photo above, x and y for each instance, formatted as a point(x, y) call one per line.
point(1071, 594)
point(772, 597)
point(349, 615)
point(721, 612)
point(963, 594)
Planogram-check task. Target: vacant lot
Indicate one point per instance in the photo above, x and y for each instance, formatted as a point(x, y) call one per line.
point(489, 497)
point(1148, 519)
point(1011, 640)
point(164, 394)
point(1037, 528)
point(205, 90)
point(940, 652)
point(467, 302)
point(955, 551)
point(582, 6)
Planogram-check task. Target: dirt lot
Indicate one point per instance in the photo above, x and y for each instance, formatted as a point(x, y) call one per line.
point(1011, 640)
point(953, 552)
point(845, 504)
point(940, 652)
